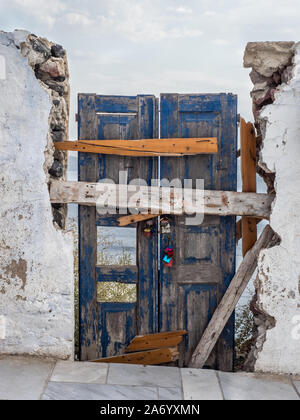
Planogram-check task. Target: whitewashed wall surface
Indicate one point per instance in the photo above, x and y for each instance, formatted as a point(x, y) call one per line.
point(36, 256)
point(276, 100)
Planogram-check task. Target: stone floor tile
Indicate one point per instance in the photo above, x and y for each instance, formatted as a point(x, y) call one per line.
point(169, 394)
point(297, 385)
point(200, 385)
point(157, 376)
point(80, 372)
point(97, 392)
point(242, 386)
point(23, 378)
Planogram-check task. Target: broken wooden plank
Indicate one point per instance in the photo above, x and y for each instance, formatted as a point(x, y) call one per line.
point(225, 309)
point(248, 166)
point(155, 341)
point(152, 357)
point(135, 218)
point(145, 147)
point(157, 200)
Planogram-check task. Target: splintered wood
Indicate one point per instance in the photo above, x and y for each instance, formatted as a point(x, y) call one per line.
point(152, 349)
point(152, 357)
point(156, 341)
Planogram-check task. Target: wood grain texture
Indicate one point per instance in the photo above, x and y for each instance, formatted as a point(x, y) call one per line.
point(146, 358)
point(239, 232)
point(136, 218)
point(87, 171)
point(231, 298)
point(145, 147)
point(248, 166)
point(156, 341)
point(222, 203)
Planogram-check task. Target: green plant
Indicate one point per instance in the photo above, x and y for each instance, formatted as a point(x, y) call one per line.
point(243, 326)
point(244, 329)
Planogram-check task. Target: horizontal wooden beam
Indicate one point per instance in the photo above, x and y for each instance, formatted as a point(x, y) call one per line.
point(145, 147)
point(157, 200)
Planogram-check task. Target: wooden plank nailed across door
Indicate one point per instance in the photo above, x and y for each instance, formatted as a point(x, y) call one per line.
point(219, 203)
point(146, 147)
point(248, 166)
point(152, 357)
point(225, 309)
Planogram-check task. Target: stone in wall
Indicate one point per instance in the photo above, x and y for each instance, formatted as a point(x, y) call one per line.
point(36, 256)
point(277, 303)
point(49, 62)
point(271, 64)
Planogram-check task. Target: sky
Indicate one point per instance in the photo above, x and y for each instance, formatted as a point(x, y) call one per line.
point(129, 47)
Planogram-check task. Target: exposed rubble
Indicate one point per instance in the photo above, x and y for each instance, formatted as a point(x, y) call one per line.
point(271, 64)
point(49, 62)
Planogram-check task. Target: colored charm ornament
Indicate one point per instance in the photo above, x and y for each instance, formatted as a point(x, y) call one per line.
point(168, 258)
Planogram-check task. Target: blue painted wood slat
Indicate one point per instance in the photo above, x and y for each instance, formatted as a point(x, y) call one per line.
point(106, 329)
point(204, 252)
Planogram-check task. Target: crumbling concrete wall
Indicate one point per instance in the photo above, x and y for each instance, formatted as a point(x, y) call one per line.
point(36, 256)
point(276, 106)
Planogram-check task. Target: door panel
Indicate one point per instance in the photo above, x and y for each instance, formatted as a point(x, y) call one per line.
point(107, 327)
point(204, 254)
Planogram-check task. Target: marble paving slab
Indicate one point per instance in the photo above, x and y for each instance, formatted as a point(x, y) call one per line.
point(96, 392)
point(80, 372)
point(157, 376)
point(251, 387)
point(23, 378)
point(200, 385)
point(297, 385)
point(170, 394)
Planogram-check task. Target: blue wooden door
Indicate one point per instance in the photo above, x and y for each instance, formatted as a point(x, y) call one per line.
point(204, 254)
point(118, 299)
point(167, 298)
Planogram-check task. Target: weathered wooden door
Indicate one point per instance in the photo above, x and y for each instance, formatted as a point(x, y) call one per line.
point(108, 324)
point(167, 299)
point(204, 254)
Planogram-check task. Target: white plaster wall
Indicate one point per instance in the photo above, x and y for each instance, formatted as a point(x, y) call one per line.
point(36, 259)
point(279, 267)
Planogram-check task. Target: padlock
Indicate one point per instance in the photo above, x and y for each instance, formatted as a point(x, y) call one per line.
point(165, 226)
